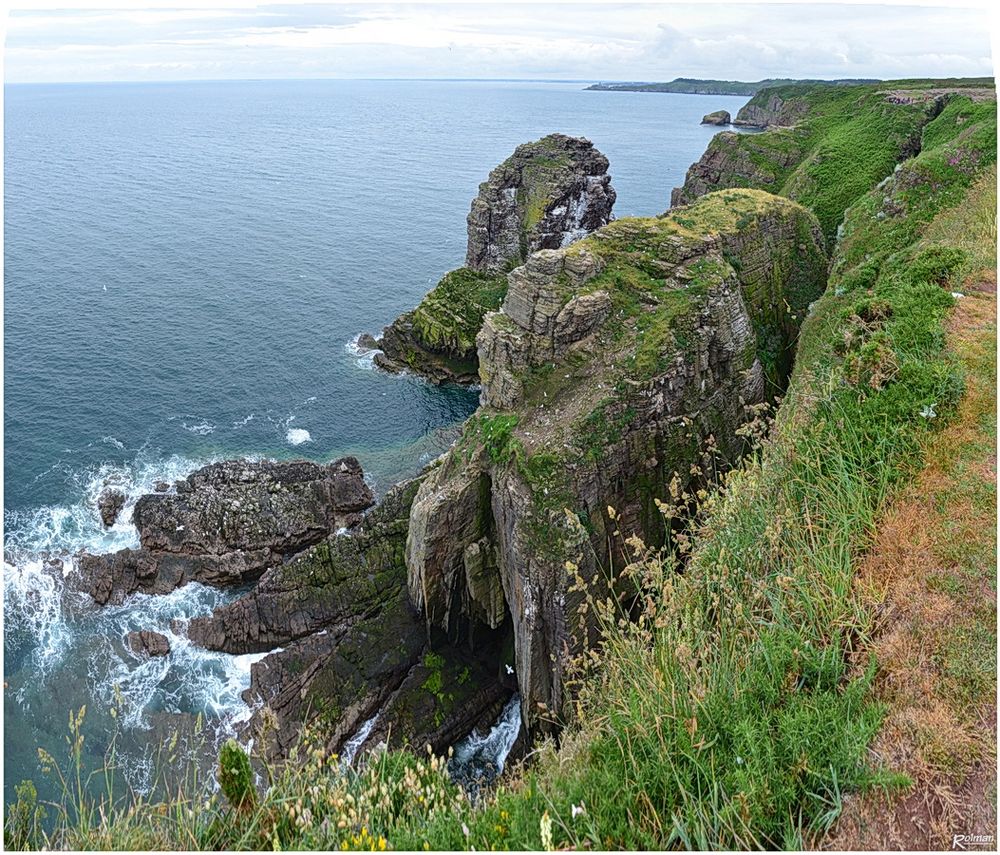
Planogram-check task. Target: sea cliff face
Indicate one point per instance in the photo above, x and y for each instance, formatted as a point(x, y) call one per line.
point(823, 146)
point(547, 194)
point(609, 365)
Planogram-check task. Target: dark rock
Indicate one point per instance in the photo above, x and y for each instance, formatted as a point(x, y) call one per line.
point(547, 194)
point(227, 523)
point(148, 642)
point(719, 117)
point(110, 503)
point(161, 486)
point(366, 341)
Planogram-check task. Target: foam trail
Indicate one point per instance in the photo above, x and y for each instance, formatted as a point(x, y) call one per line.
point(363, 357)
point(355, 742)
point(478, 760)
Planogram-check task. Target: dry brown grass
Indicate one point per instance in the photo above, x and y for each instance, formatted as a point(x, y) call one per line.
point(930, 578)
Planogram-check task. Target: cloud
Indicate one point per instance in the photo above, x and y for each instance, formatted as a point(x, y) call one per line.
point(626, 41)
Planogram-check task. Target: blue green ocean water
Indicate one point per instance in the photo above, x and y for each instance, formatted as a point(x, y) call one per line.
point(186, 266)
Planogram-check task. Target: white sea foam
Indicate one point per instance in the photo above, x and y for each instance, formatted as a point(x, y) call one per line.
point(479, 759)
point(244, 421)
point(297, 436)
point(202, 428)
point(363, 357)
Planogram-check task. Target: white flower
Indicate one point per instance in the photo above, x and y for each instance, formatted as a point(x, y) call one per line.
point(577, 810)
point(928, 412)
point(465, 829)
point(509, 669)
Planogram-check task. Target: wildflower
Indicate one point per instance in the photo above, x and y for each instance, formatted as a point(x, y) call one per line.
point(577, 810)
point(465, 829)
point(545, 827)
point(928, 412)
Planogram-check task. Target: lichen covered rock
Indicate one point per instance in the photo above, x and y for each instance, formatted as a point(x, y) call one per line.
point(226, 523)
point(609, 366)
point(545, 195)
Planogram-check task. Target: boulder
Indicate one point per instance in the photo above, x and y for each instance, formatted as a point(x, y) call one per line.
point(148, 643)
point(109, 504)
point(719, 117)
point(227, 523)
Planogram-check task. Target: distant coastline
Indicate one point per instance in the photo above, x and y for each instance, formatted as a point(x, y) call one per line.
point(693, 86)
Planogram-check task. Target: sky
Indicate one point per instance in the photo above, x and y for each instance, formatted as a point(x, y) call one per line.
point(109, 40)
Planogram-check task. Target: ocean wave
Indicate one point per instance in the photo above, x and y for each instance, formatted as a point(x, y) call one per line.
point(363, 357)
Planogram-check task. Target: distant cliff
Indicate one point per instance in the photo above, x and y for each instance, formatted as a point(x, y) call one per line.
point(693, 86)
point(824, 146)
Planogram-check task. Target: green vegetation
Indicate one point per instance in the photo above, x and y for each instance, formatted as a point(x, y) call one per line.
point(451, 315)
point(848, 139)
point(236, 776)
point(729, 710)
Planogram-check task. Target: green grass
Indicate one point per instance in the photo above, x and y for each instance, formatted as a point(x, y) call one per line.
point(451, 315)
point(723, 713)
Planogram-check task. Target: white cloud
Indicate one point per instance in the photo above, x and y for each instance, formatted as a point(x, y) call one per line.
point(592, 41)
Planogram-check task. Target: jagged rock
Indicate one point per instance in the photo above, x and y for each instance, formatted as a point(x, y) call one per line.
point(227, 523)
point(161, 487)
point(352, 645)
point(110, 503)
point(149, 643)
point(340, 580)
point(610, 363)
point(544, 196)
point(719, 117)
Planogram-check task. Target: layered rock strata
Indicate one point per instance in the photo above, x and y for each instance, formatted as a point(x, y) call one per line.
point(547, 194)
point(227, 523)
point(608, 367)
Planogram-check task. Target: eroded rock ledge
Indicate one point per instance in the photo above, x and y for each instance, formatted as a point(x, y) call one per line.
point(547, 194)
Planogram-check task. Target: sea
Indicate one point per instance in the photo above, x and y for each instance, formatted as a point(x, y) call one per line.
point(187, 267)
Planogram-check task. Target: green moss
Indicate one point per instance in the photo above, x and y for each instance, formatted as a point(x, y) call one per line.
point(236, 776)
point(450, 316)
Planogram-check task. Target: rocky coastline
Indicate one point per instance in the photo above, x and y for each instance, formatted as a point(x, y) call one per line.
point(610, 354)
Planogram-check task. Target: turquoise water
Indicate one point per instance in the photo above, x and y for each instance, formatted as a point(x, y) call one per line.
point(185, 267)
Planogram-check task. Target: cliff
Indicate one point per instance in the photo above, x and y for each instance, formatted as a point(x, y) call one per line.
point(825, 146)
point(609, 365)
point(547, 194)
point(739, 705)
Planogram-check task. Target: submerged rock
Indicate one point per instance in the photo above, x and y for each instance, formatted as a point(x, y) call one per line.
point(149, 643)
point(719, 117)
point(110, 504)
point(227, 523)
point(545, 195)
